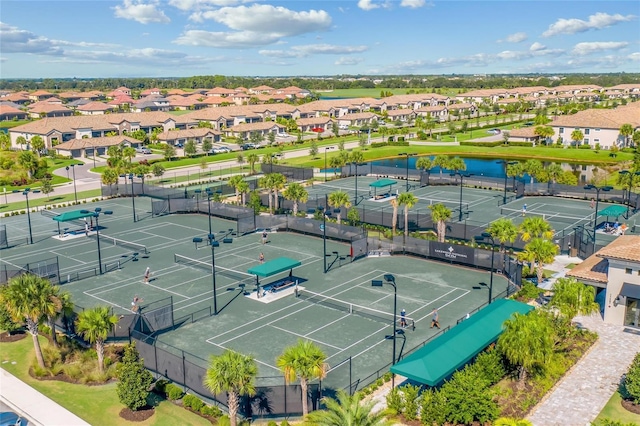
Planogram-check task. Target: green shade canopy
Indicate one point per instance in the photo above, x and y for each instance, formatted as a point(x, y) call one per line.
point(438, 359)
point(73, 215)
point(273, 267)
point(381, 183)
point(613, 211)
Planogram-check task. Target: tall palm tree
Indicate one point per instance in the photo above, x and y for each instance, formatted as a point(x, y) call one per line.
point(534, 168)
point(408, 200)
point(233, 373)
point(28, 298)
point(337, 200)
point(535, 227)
point(457, 164)
point(424, 164)
point(577, 136)
point(243, 189)
point(554, 171)
point(540, 251)
point(234, 182)
point(129, 153)
point(356, 157)
point(279, 181)
point(527, 341)
point(95, 325)
point(545, 132)
point(440, 214)
point(394, 217)
point(267, 183)
point(60, 305)
point(296, 193)
point(252, 159)
point(503, 230)
point(626, 130)
point(347, 410)
point(442, 162)
point(573, 298)
point(304, 361)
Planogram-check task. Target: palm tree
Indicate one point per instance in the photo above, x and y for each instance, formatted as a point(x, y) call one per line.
point(243, 189)
point(267, 183)
point(37, 144)
point(554, 171)
point(347, 410)
point(441, 161)
point(577, 136)
point(337, 200)
point(534, 168)
point(109, 177)
point(304, 361)
point(278, 180)
point(626, 130)
point(60, 305)
point(457, 164)
point(28, 298)
point(540, 251)
point(527, 341)
point(129, 153)
point(535, 227)
point(394, 217)
point(95, 325)
point(573, 298)
point(296, 193)
point(233, 373)
point(503, 230)
point(424, 164)
point(335, 162)
point(356, 157)
point(440, 214)
point(28, 161)
point(408, 200)
point(545, 132)
point(234, 182)
point(252, 159)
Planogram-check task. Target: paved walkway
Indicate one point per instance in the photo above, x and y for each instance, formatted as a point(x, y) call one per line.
point(584, 391)
point(39, 409)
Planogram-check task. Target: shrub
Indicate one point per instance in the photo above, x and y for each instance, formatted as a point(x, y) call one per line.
point(224, 421)
point(134, 379)
point(174, 393)
point(284, 423)
point(529, 291)
point(210, 410)
point(489, 365)
point(73, 371)
point(160, 386)
point(411, 401)
point(394, 401)
point(193, 402)
point(632, 381)
point(272, 423)
point(468, 399)
point(432, 407)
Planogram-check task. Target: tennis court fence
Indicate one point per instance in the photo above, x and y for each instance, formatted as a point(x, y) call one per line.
point(44, 268)
point(550, 217)
point(352, 308)
point(238, 276)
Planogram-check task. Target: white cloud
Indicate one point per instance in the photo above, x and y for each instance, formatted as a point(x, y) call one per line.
point(15, 40)
point(516, 38)
point(635, 56)
point(237, 40)
point(586, 48)
point(510, 54)
point(348, 60)
point(187, 5)
point(82, 44)
point(537, 47)
point(367, 5)
point(476, 60)
point(144, 13)
point(596, 22)
point(413, 4)
point(135, 57)
point(3, 59)
point(313, 49)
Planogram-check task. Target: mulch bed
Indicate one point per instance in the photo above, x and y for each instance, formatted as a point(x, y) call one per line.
point(8, 338)
point(630, 406)
point(137, 416)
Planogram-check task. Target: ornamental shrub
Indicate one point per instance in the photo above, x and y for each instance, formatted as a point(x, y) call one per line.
point(632, 381)
point(134, 379)
point(394, 401)
point(174, 393)
point(193, 402)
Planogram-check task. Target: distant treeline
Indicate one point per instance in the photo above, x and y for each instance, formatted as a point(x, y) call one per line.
point(324, 83)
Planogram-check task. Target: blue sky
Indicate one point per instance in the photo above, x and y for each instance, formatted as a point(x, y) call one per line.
point(161, 38)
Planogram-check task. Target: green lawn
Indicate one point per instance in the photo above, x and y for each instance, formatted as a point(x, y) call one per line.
point(180, 112)
point(10, 124)
point(615, 411)
point(97, 405)
point(52, 199)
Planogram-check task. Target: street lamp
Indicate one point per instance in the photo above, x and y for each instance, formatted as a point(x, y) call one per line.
point(26, 194)
point(482, 237)
point(75, 192)
point(631, 176)
point(462, 175)
point(595, 217)
point(96, 214)
point(213, 243)
point(326, 148)
point(506, 164)
point(391, 280)
point(355, 203)
point(133, 198)
point(198, 191)
point(209, 195)
point(407, 155)
point(324, 232)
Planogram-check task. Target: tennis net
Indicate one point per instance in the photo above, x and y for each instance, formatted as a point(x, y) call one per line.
point(451, 205)
point(551, 217)
point(141, 248)
point(242, 277)
point(49, 213)
point(351, 308)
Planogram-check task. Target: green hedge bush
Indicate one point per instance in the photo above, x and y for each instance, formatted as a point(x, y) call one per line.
point(193, 402)
point(173, 392)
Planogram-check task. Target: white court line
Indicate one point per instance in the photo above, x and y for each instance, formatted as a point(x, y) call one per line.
point(448, 303)
point(106, 301)
point(255, 359)
point(301, 335)
point(325, 326)
point(360, 341)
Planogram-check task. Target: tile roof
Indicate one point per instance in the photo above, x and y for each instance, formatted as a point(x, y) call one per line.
point(595, 267)
point(358, 116)
point(46, 108)
point(95, 142)
point(198, 132)
point(8, 109)
point(602, 118)
point(312, 121)
point(95, 106)
point(261, 125)
point(524, 132)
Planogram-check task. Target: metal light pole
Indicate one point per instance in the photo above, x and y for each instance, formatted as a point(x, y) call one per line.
point(461, 178)
point(482, 237)
point(391, 280)
point(133, 198)
point(198, 191)
point(407, 155)
point(326, 148)
point(631, 176)
point(75, 192)
point(213, 243)
point(595, 217)
point(96, 214)
point(324, 232)
point(506, 164)
point(26, 194)
point(209, 193)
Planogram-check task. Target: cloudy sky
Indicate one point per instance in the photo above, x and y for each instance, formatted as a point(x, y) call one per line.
point(156, 38)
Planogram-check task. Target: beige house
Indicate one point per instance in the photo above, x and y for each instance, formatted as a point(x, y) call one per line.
point(308, 124)
point(615, 272)
point(88, 147)
point(244, 130)
point(357, 119)
point(198, 135)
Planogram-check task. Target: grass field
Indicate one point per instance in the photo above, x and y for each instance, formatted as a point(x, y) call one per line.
point(615, 411)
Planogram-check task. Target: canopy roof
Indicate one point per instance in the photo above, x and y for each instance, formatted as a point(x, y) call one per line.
point(613, 211)
point(438, 359)
point(73, 215)
point(380, 183)
point(274, 266)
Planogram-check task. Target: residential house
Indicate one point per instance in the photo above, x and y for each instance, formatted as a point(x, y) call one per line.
point(308, 124)
point(90, 147)
point(404, 115)
point(244, 130)
point(199, 135)
point(148, 92)
point(524, 134)
point(615, 273)
point(40, 95)
point(358, 119)
point(8, 112)
point(436, 113)
point(265, 90)
point(49, 110)
point(95, 108)
point(151, 103)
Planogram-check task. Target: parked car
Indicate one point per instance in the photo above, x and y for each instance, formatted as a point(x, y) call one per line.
point(282, 135)
point(142, 150)
point(249, 145)
point(9, 418)
point(343, 127)
point(219, 150)
point(179, 145)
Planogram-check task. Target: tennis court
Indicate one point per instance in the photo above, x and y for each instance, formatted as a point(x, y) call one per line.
point(340, 310)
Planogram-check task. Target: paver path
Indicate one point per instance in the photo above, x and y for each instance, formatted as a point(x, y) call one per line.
point(583, 393)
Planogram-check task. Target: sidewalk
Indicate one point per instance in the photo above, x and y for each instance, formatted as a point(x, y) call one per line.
point(39, 409)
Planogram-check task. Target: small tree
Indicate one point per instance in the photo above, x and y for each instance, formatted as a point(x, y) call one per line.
point(46, 188)
point(207, 145)
point(631, 385)
point(168, 152)
point(190, 147)
point(313, 149)
point(157, 169)
point(134, 379)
